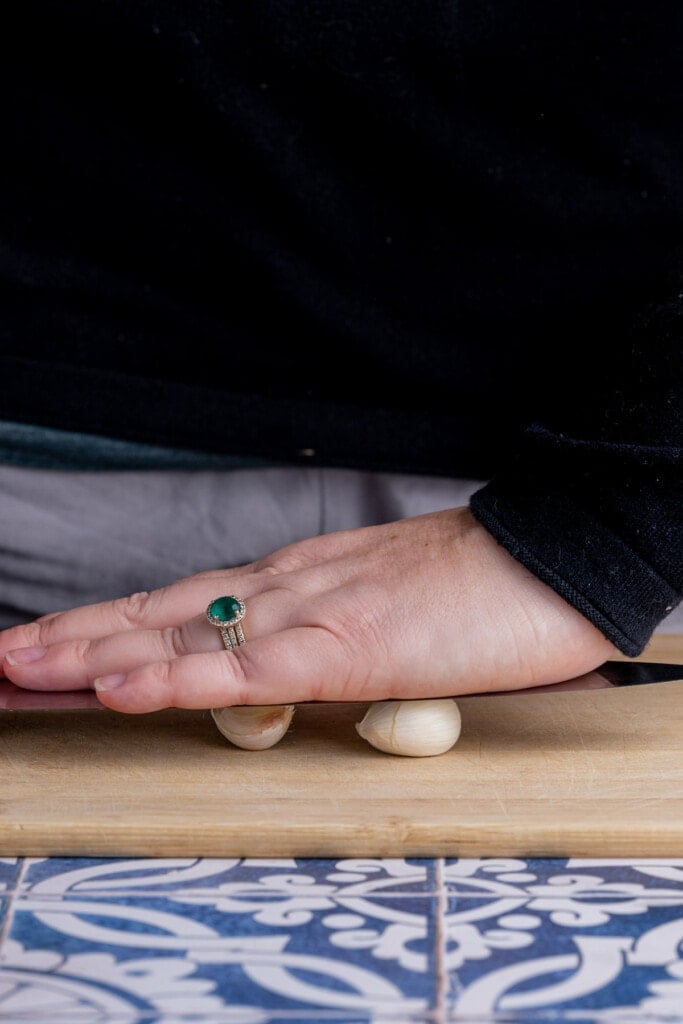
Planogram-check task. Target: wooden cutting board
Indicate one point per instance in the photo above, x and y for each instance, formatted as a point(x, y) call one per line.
point(586, 774)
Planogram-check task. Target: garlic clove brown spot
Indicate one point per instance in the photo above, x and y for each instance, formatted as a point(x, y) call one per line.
point(254, 728)
point(412, 728)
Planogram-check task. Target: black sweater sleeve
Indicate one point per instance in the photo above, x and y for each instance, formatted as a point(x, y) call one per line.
point(592, 503)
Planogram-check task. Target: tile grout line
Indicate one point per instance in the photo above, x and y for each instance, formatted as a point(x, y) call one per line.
point(440, 943)
point(9, 916)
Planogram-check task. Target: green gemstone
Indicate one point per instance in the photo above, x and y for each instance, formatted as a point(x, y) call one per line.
point(226, 609)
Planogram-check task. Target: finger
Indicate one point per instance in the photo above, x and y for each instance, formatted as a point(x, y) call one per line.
point(299, 664)
point(74, 665)
point(168, 606)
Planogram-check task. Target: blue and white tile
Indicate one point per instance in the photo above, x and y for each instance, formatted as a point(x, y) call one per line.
point(209, 954)
point(616, 963)
point(316, 878)
point(9, 872)
point(260, 941)
point(575, 880)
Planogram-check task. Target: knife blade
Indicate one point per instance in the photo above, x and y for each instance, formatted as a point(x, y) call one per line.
point(609, 675)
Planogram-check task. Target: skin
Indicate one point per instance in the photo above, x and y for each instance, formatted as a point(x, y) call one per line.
point(425, 607)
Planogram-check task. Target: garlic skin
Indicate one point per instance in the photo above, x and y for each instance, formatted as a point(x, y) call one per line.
point(254, 728)
point(412, 728)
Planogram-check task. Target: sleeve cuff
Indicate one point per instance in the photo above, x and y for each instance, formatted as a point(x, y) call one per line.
point(582, 560)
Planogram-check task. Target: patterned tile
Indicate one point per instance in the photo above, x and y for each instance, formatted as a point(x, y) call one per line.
point(9, 872)
point(612, 962)
point(560, 878)
point(175, 954)
point(231, 1015)
point(554, 1017)
point(257, 941)
point(364, 876)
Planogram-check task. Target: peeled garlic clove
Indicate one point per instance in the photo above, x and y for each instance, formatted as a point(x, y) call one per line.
point(254, 728)
point(414, 728)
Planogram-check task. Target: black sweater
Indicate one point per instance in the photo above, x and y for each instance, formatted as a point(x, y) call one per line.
point(428, 237)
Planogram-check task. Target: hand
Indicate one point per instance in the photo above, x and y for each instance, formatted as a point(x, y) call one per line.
point(423, 607)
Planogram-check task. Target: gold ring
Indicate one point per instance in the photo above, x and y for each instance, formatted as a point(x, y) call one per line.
point(226, 613)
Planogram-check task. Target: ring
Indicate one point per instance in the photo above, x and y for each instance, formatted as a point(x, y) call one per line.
point(226, 614)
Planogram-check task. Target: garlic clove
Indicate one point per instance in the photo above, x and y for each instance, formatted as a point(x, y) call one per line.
point(412, 728)
point(254, 728)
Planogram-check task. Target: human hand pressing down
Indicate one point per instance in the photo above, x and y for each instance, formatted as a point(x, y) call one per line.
point(423, 607)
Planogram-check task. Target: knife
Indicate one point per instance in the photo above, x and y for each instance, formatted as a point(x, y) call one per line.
point(609, 675)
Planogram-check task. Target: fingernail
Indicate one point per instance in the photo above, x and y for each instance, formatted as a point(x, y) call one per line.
point(24, 655)
point(109, 682)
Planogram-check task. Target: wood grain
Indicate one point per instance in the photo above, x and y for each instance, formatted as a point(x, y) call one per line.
point(587, 774)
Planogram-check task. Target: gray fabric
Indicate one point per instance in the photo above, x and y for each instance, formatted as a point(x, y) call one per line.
point(72, 538)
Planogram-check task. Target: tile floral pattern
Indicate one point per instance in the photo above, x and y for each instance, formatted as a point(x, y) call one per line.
point(597, 940)
point(387, 941)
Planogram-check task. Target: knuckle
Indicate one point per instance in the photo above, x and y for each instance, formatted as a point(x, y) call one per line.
point(270, 566)
point(132, 609)
point(80, 652)
point(41, 632)
point(174, 642)
point(288, 559)
point(45, 630)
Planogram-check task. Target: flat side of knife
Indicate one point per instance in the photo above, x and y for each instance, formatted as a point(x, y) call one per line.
point(638, 673)
point(608, 675)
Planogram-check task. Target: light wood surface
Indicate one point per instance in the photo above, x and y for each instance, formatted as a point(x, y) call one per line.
point(597, 773)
